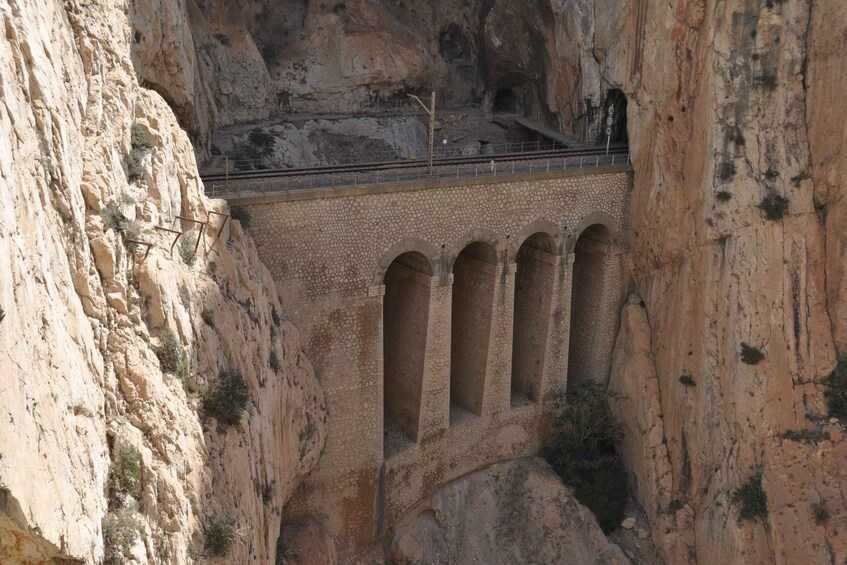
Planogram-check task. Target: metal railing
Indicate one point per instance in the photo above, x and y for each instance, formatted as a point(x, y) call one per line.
point(235, 187)
point(234, 166)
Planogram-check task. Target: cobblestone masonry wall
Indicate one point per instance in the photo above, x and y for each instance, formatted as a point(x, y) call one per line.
point(329, 253)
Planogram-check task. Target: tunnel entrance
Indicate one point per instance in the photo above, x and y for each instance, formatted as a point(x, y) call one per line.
point(474, 276)
point(585, 360)
point(405, 314)
point(616, 100)
point(505, 101)
point(536, 262)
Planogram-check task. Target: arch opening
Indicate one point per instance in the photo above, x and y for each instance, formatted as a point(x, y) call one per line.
point(505, 101)
point(585, 358)
point(616, 100)
point(474, 277)
point(405, 318)
point(534, 276)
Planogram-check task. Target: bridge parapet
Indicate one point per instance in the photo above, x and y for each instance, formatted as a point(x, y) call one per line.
point(329, 178)
point(390, 283)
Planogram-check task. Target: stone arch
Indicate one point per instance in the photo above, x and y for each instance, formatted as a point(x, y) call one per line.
point(593, 219)
point(474, 279)
point(423, 248)
point(482, 235)
point(535, 272)
point(405, 317)
point(534, 228)
point(589, 350)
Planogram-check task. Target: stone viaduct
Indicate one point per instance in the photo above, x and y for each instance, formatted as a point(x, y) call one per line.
point(442, 317)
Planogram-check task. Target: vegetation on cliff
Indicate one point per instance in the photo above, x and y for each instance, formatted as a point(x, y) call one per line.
point(836, 390)
point(582, 451)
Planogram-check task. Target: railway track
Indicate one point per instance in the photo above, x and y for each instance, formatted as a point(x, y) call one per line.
point(618, 149)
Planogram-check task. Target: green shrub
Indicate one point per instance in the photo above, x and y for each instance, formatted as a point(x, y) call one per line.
point(171, 354)
point(774, 206)
point(723, 196)
point(242, 215)
point(581, 450)
point(263, 141)
point(208, 316)
point(227, 398)
point(125, 473)
point(767, 81)
point(120, 532)
point(751, 355)
point(115, 220)
point(184, 296)
point(251, 154)
point(273, 361)
point(798, 178)
point(212, 268)
point(726, 170)
point(188, 249)
point(139, 143)
point(836, 390)
point(751, 498)
point(821, 512)
point(687, 380)
point(771, 174)
point(220, 533)
point(811, 435)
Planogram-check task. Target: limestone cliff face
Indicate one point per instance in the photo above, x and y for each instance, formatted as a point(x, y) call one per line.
point(220, 62)
point(84, 309)
point(730, 102)
point(512, 512)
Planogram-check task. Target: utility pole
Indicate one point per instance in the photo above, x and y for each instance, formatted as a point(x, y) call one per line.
point(431, 113)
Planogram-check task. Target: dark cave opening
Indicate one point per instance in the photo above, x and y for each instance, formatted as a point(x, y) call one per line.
point(505, 101)
point(616, 102)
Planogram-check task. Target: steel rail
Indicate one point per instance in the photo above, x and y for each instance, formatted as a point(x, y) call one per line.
point(390, 165)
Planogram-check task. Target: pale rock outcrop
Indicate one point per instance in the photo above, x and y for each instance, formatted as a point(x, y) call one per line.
point(84, 309)
point(635, 400)
point(718, 106)
point(826, 113)
point(226, 63)
point(513, 512)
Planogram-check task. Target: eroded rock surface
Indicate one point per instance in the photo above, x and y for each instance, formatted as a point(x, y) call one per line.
point(84, 309)
point(727, 102)
point(513, 512)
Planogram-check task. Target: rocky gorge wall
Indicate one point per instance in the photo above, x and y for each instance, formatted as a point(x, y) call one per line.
point(83, 311)
point(730, 102)
point(220, 62)
point(737, 98)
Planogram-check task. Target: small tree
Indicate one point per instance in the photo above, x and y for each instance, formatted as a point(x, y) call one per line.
point(751, 498)
point(227, 398)
point(125, 473)
point(582, 451)
point(220, 533)
point(751, 355)
point(774, 206)
point(172, 356)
